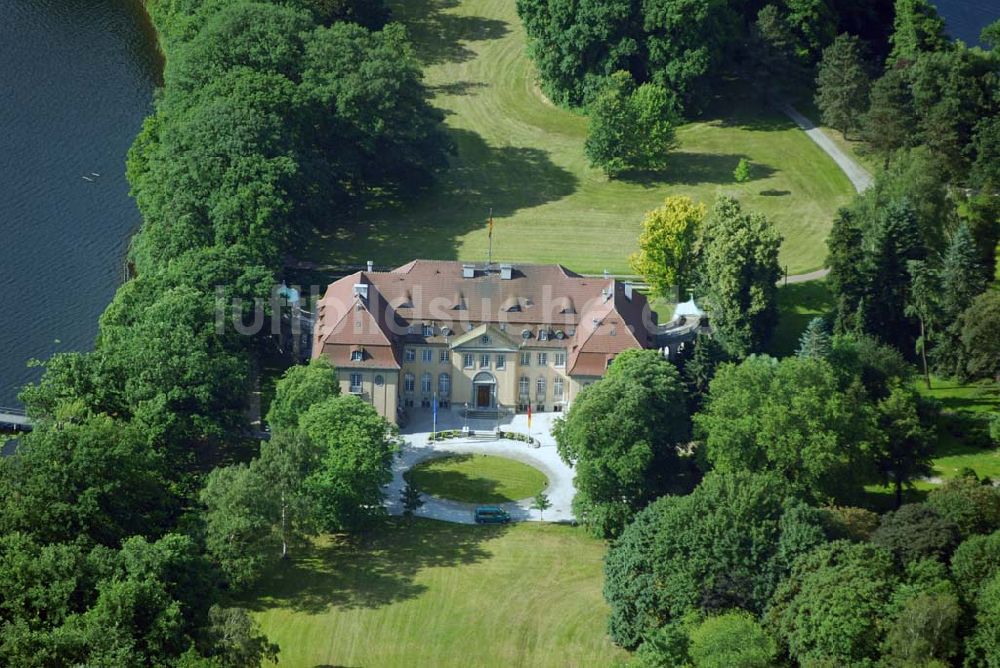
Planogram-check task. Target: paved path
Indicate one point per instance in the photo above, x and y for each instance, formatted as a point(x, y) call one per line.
point(860, 178)
point(545, 458)
point(858, 175)
point(803, 278)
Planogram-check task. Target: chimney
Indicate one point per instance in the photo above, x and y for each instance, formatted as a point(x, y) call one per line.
point(505, 271)
point(361, 290)
point(468, 271)
point(371, 266)
point(628, 290)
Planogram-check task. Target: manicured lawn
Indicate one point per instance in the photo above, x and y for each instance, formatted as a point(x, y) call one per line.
point(477, 479)
point(798, 303)
point(433, 594)
point(963, 431)
point(524, 158)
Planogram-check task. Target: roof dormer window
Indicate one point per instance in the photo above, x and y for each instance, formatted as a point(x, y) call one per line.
point(543, 335)
point(357, 355)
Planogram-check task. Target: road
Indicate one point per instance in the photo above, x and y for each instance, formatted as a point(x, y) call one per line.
point(859, 177)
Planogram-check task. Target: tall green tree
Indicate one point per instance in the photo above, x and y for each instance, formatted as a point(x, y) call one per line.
point(815, 340)
point(300, 387)
point(725, 545)
point(256, 511)
point(842, 84)
point(356, 446)
point(621, 434)
point(739, 275)
point(980, 327)
point(916, 531)
point(983, 646)
point(667, 245)
point(846, 279)
point(893, 241)
point(962, 280)
point(732, 639)
point(93, 479)
point(924, 305)
point(836, 604)
point(631, 128)
point(890, 122)
point(905, 443)
point(917, 28)
point(790, 417)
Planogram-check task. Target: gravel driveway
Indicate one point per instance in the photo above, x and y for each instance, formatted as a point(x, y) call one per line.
point(417, 448)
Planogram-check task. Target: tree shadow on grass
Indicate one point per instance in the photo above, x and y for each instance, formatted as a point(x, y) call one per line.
point(372, 570)
point(685, 168)
point(439, 36)
point(455, 485)
point(481, 177)
point(458, 88)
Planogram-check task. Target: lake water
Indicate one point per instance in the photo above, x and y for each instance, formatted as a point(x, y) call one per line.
point(966, 18)
point(76, 80)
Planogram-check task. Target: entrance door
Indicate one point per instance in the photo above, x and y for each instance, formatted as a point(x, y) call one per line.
point(482, 396)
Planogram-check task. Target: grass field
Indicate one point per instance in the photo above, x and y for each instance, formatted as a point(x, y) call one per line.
point(962, 433)
point(798, 303)
point(524, 158)
point(477, 479)
point(435, 595)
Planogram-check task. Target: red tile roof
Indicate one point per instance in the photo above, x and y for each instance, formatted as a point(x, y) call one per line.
point(595, 315)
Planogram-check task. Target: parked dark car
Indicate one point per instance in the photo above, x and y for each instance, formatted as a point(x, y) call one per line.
point(491, 515)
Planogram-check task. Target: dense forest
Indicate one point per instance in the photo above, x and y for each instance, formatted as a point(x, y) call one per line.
point(733, 485)
point(113, 540)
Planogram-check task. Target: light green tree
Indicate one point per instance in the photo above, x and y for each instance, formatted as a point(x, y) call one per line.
point(732, 639)
point(541, 503)
point(300, 388)
point(742, 171)
point(666, 253)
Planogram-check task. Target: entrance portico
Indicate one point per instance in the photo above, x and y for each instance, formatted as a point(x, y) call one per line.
point(484, 390)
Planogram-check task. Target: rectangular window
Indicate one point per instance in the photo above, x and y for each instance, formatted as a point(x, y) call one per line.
point(560, 359)
point(468, 361)
point(408, 383)
point(486, 339)
point(525, 359)
point(543, 359)
point(410, 354)
point(540, 388)
point(425, 383)
point(557, 389)
point(484, 361)
point(427, 355)
point(428, 330)
point(501, 361)
point(355, 383)
point(356, 355)
point(543, 335)
point(522, 387)
point(443, 356)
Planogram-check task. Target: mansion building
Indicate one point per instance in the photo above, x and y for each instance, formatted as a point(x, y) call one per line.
point(494, 337)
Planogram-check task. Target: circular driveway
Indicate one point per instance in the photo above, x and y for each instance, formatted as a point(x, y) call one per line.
point(417, 448)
